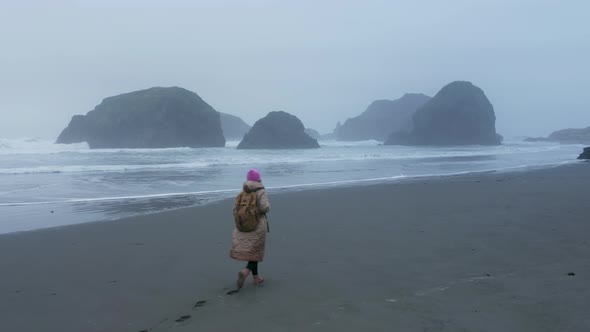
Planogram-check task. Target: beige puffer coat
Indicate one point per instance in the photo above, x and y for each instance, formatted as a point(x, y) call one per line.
point(249, 246)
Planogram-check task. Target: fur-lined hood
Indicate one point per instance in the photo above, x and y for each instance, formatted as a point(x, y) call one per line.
point(250, 186)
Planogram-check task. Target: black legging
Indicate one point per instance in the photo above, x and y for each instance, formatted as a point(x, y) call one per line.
point(253, 266)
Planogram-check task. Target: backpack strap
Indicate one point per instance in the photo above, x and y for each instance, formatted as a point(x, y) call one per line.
point(264, 214)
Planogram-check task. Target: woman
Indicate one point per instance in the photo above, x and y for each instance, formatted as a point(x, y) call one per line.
point(249, 246)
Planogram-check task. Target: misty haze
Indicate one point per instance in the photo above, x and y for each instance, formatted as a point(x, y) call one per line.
point(422, 165)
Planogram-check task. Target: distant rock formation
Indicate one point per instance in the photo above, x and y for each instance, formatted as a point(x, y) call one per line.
point(576, 136)
point(565, 136)
point(312, 133)
point(234, 128)
point(151, 118)
point(585, 154)
point(382, 118)
point(459, 114)
point(536, 139)
point(328, 137)
point(278, 130)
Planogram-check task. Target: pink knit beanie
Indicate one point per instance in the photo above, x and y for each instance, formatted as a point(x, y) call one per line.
point(253, 175)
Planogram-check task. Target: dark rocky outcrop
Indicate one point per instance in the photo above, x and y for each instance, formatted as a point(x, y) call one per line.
point(312, 133)
point(381, 118)
point(234, 128)
point(565, 136)
point(278, 130)
point(459, 114)
point(151, 118)
point(77, 131)
point(585, 154)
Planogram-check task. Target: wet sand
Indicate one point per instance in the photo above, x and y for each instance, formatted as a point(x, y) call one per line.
point(487, 252)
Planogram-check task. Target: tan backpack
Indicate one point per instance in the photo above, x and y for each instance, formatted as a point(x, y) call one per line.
point(246, 213)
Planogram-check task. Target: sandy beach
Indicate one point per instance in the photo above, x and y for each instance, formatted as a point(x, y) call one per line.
point(485, 252)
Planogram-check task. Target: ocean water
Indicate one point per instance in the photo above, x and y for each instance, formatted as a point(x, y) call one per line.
point(46, 185)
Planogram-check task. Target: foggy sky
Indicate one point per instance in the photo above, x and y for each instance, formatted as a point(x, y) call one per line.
point(323, 61)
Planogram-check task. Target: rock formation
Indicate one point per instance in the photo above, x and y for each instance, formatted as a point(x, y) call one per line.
point(585, 154)
point(382, 118)
point(312, 133)
point(234, 128)
point(278, 130)
point(565, 136)
point(459, 114)
point(151, 118)
point(328, 137)
point(536, 139)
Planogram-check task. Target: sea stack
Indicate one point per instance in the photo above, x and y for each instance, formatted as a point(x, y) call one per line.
point(278, 130)
point(313, 133)
point(381, 118)
point(459, 114)
point(585, 154)
point(234, 128)
point(152, 118)
point(565, 136)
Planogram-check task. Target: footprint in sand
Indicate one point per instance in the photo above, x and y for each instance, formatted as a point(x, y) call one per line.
point(182, 318)
point(199, 304)
point(232, 292)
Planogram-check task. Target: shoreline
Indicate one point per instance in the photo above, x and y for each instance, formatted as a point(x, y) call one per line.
point(487, 252)
point(272, 190)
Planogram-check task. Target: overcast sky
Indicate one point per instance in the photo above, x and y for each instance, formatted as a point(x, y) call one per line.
point(323, 61)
